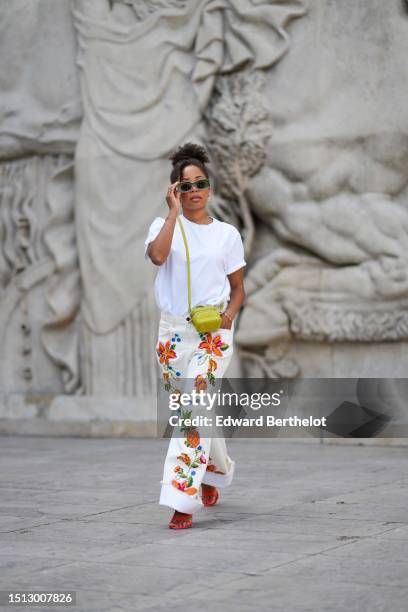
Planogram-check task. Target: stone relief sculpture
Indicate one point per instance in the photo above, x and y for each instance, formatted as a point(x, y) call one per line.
point(147, 74)
point(75, 300)
point(329, 202)
point(238, 129)
point(39, 271)
point(310, 148)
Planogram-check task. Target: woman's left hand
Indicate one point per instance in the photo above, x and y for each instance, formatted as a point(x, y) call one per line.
point(226, 323)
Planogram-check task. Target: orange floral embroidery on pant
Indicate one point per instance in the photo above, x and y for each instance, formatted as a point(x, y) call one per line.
point(200, 383)
point(184, 458)
point(211, 467)
point(211, 345)
point(184, 474)
point(212, 365)
point(165, 352)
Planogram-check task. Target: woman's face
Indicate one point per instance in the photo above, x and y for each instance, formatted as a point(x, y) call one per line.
point(194, 199)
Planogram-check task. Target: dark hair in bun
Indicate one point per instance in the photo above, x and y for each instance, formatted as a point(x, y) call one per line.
point(186, 155)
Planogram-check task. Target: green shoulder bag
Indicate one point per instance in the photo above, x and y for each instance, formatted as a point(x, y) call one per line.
point(204, 318)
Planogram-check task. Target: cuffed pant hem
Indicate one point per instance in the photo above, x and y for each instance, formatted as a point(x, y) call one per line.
point(183, 502)
point(219, 480)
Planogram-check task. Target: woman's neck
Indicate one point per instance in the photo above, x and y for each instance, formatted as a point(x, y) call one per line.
point(198, 216)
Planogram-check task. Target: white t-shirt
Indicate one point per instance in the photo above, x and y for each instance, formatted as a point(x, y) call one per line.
point(216, 250)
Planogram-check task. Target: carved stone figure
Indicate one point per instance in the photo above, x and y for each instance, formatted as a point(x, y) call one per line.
point(327, 206)
point(39, 270)
point(306, 123)
point(147, 74)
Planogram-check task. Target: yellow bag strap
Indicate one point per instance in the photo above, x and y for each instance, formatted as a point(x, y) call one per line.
point(188, 263)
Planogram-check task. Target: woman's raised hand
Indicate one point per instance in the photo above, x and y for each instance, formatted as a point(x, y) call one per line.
point(173, 198)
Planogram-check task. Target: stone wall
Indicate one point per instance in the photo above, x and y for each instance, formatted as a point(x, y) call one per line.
point(302, 107)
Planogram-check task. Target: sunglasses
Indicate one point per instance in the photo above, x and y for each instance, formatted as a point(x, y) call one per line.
point(185, 186)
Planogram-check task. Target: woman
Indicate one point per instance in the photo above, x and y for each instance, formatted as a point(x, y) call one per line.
point(194, 465)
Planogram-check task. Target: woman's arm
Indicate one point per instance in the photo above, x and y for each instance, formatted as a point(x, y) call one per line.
point(237, 297)
point(159, 248)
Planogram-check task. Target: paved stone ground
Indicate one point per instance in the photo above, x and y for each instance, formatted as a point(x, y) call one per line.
point(304, 527)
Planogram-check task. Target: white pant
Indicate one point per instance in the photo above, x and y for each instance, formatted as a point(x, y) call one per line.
point(185, 356)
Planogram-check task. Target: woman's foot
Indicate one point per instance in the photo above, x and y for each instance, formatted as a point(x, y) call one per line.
point(209, 495)
point(180, 520)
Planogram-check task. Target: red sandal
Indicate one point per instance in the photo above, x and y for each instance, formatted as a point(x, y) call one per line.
point(210, 496)
point(180, 520)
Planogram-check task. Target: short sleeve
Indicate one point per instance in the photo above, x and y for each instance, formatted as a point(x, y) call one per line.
point(154, 229)
point(234, 257)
